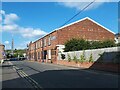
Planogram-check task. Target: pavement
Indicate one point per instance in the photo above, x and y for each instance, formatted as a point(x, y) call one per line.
point(11, 79)
point(57, 76)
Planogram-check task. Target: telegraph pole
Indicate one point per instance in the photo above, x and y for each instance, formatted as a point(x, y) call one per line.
point(12, 47)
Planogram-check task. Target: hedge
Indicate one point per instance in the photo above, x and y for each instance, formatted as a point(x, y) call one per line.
point(81, 44)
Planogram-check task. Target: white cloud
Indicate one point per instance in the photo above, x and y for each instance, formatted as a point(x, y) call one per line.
point(6, 42)
point(80, 5)
point(0, 28)
point(9, 25)
point(10, 28)
point(10, 18)
point(30, 32)
point(86, 0)
point(2, 12)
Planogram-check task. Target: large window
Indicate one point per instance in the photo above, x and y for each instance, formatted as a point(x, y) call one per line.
point(41, 43)
point(49, 40)
point(36, 45)
point(45, 42)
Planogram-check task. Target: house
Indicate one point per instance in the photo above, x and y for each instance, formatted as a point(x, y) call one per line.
point(2, 51)
point(48, 46)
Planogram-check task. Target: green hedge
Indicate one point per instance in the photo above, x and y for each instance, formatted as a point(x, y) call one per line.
point(81, 44)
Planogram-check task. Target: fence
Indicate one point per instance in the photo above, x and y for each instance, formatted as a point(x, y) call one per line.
point(104, 54)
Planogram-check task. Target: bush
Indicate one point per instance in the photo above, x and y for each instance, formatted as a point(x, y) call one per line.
point(69, 58)
point(108, 43)
point(63, 56)
point(76, 44)
point(96, 44)
point(82, 57)
point(75, 59)
point(81, 44)
point(91, 58)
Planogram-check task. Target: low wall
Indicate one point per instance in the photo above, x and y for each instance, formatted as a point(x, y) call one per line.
point(112, 67)
point(103, 55)
point(106, 59)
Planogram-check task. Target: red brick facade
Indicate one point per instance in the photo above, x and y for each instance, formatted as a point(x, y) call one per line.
point(85, 28)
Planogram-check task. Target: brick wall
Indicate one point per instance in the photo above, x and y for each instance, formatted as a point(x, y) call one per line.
point(86, 29)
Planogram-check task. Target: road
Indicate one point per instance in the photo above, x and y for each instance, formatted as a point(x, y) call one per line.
point(10, 79)
point(57, 76)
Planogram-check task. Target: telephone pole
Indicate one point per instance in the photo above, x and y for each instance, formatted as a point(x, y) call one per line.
point(12, 47)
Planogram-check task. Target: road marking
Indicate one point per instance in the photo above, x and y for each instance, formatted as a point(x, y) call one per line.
point(24, 75)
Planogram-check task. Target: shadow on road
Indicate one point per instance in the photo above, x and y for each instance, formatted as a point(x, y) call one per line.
point(68, 79)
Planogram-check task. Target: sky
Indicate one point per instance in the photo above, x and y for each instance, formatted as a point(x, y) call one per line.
point(28, 21)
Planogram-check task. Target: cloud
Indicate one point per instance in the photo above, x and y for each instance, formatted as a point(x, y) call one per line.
point(9, 25)
point(80, 5)
point(22, 45)
point(10, 28)
point(10, 18)
point(30, 32)
point(2, 12)
point(6, 42)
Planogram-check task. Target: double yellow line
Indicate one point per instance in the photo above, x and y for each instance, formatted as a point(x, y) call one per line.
point(30, 80)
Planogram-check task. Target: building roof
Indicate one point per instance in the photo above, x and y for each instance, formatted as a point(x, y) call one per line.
point(74, 23)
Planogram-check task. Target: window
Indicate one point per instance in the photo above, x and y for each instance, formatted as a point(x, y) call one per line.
point(36, 45)
point(45, 42)
point(49, 40)
point(41, 43)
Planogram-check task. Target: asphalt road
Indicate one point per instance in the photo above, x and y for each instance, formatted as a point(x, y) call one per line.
point(57, 76)
point(11, 79)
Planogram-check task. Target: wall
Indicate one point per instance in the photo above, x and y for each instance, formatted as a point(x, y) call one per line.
point(109, 54)
point(85, 29)
point(1, 51)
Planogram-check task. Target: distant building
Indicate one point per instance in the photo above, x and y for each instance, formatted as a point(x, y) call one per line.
point(47, 47)
point(2, 51)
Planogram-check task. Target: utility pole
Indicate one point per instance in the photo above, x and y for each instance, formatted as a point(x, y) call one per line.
point(12, 47)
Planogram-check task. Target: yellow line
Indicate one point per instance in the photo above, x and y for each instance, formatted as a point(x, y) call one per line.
point(23, 74)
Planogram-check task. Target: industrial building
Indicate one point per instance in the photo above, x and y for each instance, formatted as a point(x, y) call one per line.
point(47, 47)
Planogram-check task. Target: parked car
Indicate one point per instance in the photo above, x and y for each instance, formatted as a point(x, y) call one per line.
point(22, 58)
point(13, 59)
